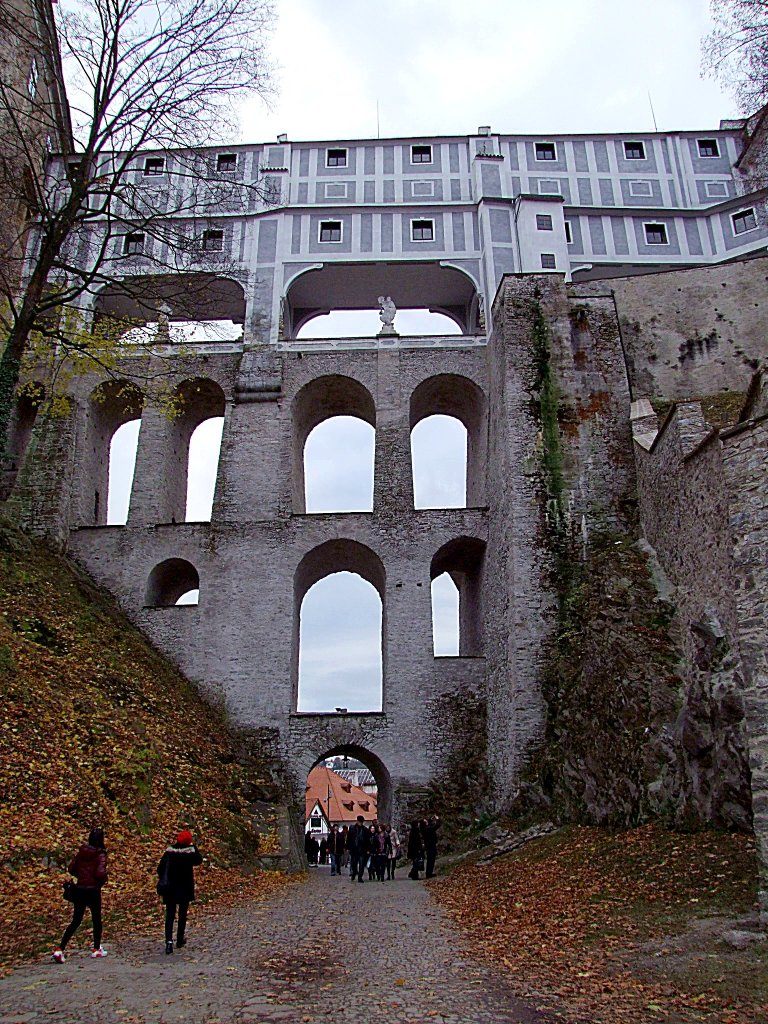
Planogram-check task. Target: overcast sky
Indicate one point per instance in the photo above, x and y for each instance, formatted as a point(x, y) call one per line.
point(356, 69)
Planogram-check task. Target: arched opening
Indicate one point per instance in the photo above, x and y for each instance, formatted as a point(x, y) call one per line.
point(122, 466)
point(439, 463)
point(322, 399)
point(413, 285)
point(195, 306)
point(369, 780)
point(29, 397)
point(109, 469)
point(443, 400)
point(172, 582)
point(366, 323)
point(199, 405)
point(463, 560)
point(338, 465)
point(202, 466)
point(339, 629)
point(445, 616)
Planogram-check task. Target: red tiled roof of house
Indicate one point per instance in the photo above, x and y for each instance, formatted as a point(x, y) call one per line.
point(345, 802)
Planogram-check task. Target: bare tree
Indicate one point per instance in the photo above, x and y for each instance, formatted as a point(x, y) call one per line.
point(142, 75)
point(736, 51)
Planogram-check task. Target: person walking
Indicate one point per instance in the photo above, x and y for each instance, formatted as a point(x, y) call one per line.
point(334, 849)
point(344, 837)
point(89, 867)
point(394, 852)
point(430, 827)
point(381, 847)
point(176, 885)
point(359, 845)
point(415, 850)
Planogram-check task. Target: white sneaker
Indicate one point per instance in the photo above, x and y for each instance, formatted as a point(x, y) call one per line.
point(58, 957)
point(98, 953)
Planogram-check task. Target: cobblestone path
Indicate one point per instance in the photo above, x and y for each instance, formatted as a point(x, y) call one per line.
point(326, 950)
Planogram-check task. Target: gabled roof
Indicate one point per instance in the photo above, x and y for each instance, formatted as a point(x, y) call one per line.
point(339, 799)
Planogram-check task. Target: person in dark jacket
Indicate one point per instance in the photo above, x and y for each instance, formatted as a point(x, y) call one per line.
point(359, 845)
point(415, 850)
point(177, 885)
point(429, 829)
point(335, 849)
point(89, 866)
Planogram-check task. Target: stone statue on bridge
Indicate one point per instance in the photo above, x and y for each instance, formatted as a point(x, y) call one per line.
point(387, 311)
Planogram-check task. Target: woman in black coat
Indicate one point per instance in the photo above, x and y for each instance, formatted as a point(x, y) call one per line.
point(416, 850)
point(177, 885)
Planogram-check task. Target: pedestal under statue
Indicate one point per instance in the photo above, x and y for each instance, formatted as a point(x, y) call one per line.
point(387, 311)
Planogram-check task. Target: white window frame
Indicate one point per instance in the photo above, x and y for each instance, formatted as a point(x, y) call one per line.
point(225, 156)
point(330, 241)
point(556, 191)
point(708, 156)
point(213, 234)
point(655, 224)
point(635, 142)
point(422, 220)
point(153, 160)
point(641, 195)
point(746, 212)
point(718, 185)
point(541, 219)
point(545, 159)
point(549, 256)
point(422, 145)
point(423, 195)
point(568, 232)
point(33, 79)
point(338, 185)
point(132, 238)
point(336, 149)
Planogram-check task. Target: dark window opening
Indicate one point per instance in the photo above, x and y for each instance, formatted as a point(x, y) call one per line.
point(546, 151)
point(656, 234)
point(708, 147)
point(330, 231)
point(134, 244)
point(421, 154)
point(568, 235)
point(543, 222)
point(548, 261)
point(336, 158)
point(743, 221)
point(213, 240)
point(634, 150)
point(226, 162)
point(422, 230)
point(154, 165)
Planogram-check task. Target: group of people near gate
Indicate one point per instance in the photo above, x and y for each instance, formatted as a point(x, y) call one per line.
point(375, 849)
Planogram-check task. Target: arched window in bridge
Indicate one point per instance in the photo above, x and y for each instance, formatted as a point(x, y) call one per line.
point(174, 581)
point(448, 442)
point(202, 466)
point(445, 616)
point(365, 323)
point(195, 444)
point(334, 421)
point(457, 598)
point(108, 467)
point(122, 466)
point(339, 591)
point(29, 398)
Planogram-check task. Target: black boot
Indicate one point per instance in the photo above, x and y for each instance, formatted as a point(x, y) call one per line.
point(169, 947)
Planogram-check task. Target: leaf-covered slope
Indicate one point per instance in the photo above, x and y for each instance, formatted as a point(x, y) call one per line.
point(98, 729)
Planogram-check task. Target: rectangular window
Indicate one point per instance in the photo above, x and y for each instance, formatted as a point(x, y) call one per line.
point(545, 151)
point(154, 165)
point(656, 234)
point(744, 220)
point(640, 188)
point(336, 190)
point(335, 158)
point(421, 154)
point(226, 162)
point(423, 188)
point(568, 233)
point(548, 261)
point(133, 245)
point(330, 231)
point(708, 147)
point(316, 823)
point(549, 187)
point(32, 81)
point(716, 189)
point(543, 222)
point(213, 240)
point(634, 150)
point(422, 230)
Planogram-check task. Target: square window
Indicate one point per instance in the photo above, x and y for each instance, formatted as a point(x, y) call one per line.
point(716, 189)
point(134, 244)
point(708, 147)
point(226, 162)
point(422, 230)
point(640, 188)
point(421, 154)
point(213, 240)
point(336, 190)
point(548, 261)
point(336, 158)
point(744, 220)
point(423, 188)
point(656, 234)
point(549, 187)
point(154, 165)
point(568, 233)
point(634, 150)
point(543, 222)
point(546, 151)
point(330, 230)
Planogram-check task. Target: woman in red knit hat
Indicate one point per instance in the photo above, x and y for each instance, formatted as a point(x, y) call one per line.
point(176, 885)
